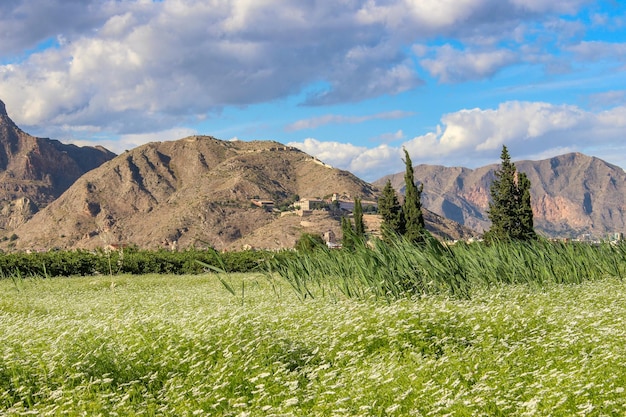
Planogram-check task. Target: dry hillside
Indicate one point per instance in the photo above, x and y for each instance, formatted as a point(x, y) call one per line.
point(194, 191)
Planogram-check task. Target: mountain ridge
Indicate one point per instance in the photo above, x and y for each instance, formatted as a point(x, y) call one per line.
point(35, 171)
point(195, 191)
point(571, 194)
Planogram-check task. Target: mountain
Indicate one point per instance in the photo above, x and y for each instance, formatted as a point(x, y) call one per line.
point(193, 191)
point(35, 171)
point(196, 191)
point(571, 194)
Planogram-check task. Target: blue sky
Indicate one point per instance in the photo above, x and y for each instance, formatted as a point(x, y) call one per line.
point(352, 82)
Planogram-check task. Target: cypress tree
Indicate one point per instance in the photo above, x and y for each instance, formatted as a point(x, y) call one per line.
point(412, 207)
point(359, 226)
point(510, 211)
point(390, 210)
point(525, 209)
point(348, 239)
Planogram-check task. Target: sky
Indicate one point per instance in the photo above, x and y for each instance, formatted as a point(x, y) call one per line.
point(353, 82)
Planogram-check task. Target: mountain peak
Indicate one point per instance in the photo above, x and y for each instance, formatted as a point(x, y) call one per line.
point(3, 109)
point(571, 194)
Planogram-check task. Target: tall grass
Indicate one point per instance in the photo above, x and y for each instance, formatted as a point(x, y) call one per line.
point(392, 270)
point(180, 345)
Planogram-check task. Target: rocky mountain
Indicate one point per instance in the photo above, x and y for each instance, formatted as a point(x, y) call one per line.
point(571, 194)
point(35, 171)
point(196, 191)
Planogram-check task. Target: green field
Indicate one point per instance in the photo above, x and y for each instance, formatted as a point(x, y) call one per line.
point(183, 345)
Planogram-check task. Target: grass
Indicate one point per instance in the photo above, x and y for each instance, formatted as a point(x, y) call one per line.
point(401, 269)
point(183, 345)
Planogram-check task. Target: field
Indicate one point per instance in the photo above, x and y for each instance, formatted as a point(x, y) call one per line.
point(184, 345)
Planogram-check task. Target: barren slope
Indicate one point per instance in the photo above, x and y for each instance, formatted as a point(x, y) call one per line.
point(194, 191)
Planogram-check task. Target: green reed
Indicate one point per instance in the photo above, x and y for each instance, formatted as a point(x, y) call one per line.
point(396, 269)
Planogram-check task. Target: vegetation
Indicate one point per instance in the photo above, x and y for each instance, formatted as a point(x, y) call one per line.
point(406, 220)
point(359, 226)
point(353, 235)
point(400, 269)
point(128, 261)
point(390, 210)
point(412, 207)
point(308, 242)
point(285, 204)
point(348, 240)
point(182, 345)
point(406, 326)
point(510, 211)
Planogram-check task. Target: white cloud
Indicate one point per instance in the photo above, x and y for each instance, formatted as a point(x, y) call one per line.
point(474, 137)
point(333, 153)
point(452, 65)
point(135, 66)
point(133, 140)
point(391, 137)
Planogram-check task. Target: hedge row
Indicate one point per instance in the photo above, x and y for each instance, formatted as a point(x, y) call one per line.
point(129, 261)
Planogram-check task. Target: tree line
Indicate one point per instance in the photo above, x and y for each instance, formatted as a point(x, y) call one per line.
point(509, 210)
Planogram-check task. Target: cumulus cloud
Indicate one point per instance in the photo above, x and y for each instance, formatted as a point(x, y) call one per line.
point(391, 137)
point(360, 160)
point(135, 66)
point(454, 65)
point(25, 24)
point(171, 60)
point(474, 137)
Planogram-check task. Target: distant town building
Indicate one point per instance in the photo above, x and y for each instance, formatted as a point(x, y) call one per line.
point(266, 204)
point(310, 204)
point(615, 237)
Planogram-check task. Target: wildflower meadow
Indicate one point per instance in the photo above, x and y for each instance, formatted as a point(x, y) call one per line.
point(184, 345)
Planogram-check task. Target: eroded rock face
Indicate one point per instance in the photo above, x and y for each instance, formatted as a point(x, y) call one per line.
point(558, 210)
point(478, 196)
point(193, 191)
point(17, 212)
point(570, 194)
point(37, 170)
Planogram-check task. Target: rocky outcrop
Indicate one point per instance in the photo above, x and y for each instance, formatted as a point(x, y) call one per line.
point(17, 212)
point(571, 194)
point(37, 170)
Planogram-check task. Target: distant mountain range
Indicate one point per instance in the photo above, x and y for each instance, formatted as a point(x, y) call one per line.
point(571, 194)
point(35, 171)
point(197, 191)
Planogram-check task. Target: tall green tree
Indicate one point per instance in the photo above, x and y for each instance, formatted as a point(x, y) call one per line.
point(412, 208)
point(510, 211)
point(527, 228)
point(308, 242)
point(390, 210)
point(348, 240)
point(359, 226)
